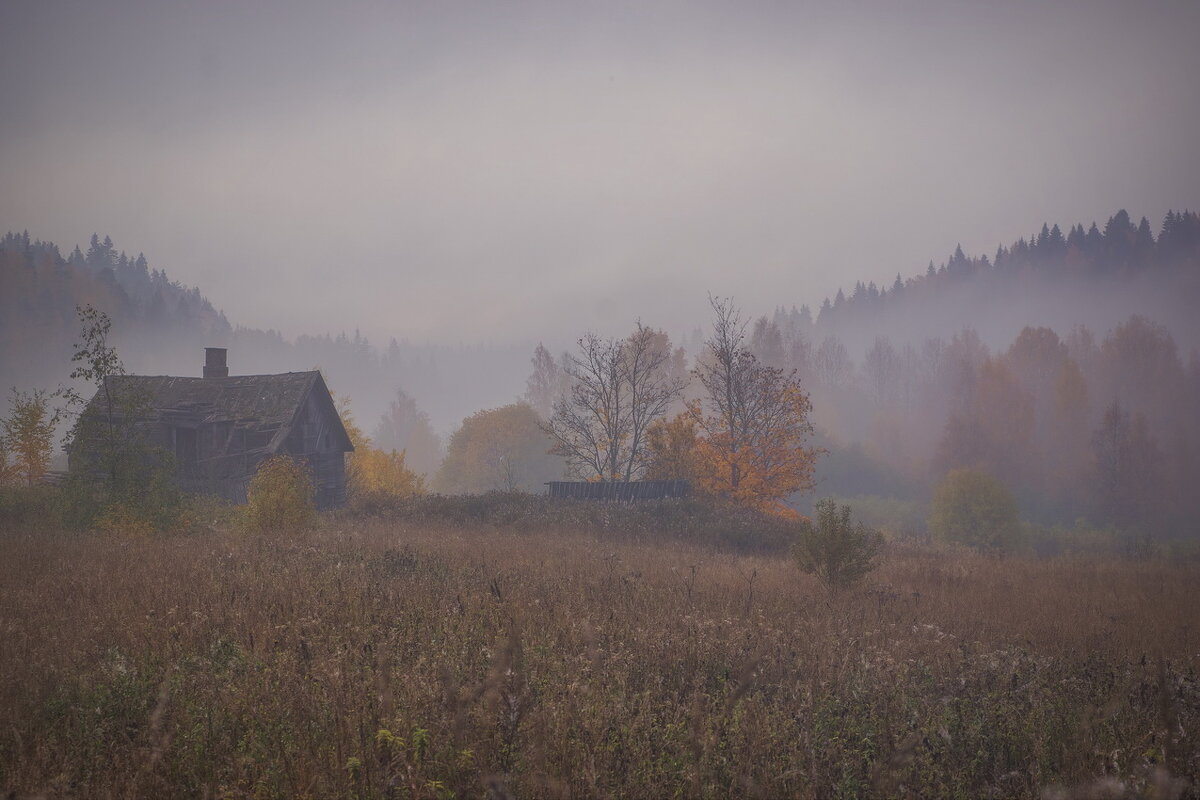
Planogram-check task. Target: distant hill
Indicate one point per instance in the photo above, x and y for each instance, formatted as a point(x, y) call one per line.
point(39, 290)
point(1095, 277)
point(160, 327)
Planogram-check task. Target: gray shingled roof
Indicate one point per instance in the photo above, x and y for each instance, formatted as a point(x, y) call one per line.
point(263, 402)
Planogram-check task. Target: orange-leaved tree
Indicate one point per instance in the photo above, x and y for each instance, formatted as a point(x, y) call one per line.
point(754, 422)
point(671, 447)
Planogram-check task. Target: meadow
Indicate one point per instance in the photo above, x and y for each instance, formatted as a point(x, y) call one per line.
point(380, 658)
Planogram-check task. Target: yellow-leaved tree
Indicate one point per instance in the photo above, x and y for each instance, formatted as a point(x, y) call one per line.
point(502, 449)
point(754, 423)
point(373, 474)
point(27, 434)
point(279, 497)
point(382, 473)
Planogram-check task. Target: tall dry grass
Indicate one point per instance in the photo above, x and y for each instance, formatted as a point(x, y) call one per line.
point(372, 659)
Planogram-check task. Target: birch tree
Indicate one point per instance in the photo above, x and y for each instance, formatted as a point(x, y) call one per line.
point(618, 387)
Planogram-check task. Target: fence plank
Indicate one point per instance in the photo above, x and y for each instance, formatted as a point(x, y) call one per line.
point(619, 491)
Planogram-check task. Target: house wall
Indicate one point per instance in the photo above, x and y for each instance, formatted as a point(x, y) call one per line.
point(314, 438)
point(224, 465)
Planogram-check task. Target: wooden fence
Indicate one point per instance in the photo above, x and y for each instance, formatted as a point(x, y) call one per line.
point(619, 491)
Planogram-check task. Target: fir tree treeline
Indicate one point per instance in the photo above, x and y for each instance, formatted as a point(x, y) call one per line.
point(1121, 250)
point(39, 290)
point(1089, 275)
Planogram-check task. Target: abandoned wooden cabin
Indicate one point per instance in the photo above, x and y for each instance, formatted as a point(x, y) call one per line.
point(619, 491)
point(219, 428)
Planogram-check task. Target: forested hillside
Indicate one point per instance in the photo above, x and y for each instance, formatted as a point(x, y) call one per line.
point(1065, 365)
point(160, 327)
point(1093, 277)
point(39, 290)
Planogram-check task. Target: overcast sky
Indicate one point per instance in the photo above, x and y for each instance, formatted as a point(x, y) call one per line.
point(511, 171)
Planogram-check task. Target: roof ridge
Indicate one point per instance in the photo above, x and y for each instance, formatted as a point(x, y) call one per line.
point(198, 378)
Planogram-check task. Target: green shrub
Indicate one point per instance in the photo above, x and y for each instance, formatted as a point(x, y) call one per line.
point(971, 507)
point(837, 552)
point(280, 496)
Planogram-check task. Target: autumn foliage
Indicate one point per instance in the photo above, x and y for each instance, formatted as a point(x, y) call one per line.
point(765, 461)
point(499, 449)
point(747, 441)
point(27, 438)
point(672, 448)
point(280, 496)
point(755, 423)
point(371, 473)
point(382, 472)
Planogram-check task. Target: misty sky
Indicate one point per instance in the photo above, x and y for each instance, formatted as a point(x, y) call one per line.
point(505, 172)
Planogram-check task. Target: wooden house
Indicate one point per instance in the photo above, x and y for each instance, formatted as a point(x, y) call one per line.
point(219, 428)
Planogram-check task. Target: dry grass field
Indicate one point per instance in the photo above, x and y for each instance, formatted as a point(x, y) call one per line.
point(375, 660)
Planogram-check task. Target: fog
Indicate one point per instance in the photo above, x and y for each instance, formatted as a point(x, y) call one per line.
point(502, 174)
point(412, 196)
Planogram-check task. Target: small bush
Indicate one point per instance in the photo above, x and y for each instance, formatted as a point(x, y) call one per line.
point(837, 552)
point(280, 496)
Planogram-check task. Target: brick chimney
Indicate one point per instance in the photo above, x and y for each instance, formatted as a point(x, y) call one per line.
point(214, 363)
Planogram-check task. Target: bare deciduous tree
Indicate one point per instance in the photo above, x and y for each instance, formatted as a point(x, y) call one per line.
point(618, 387)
